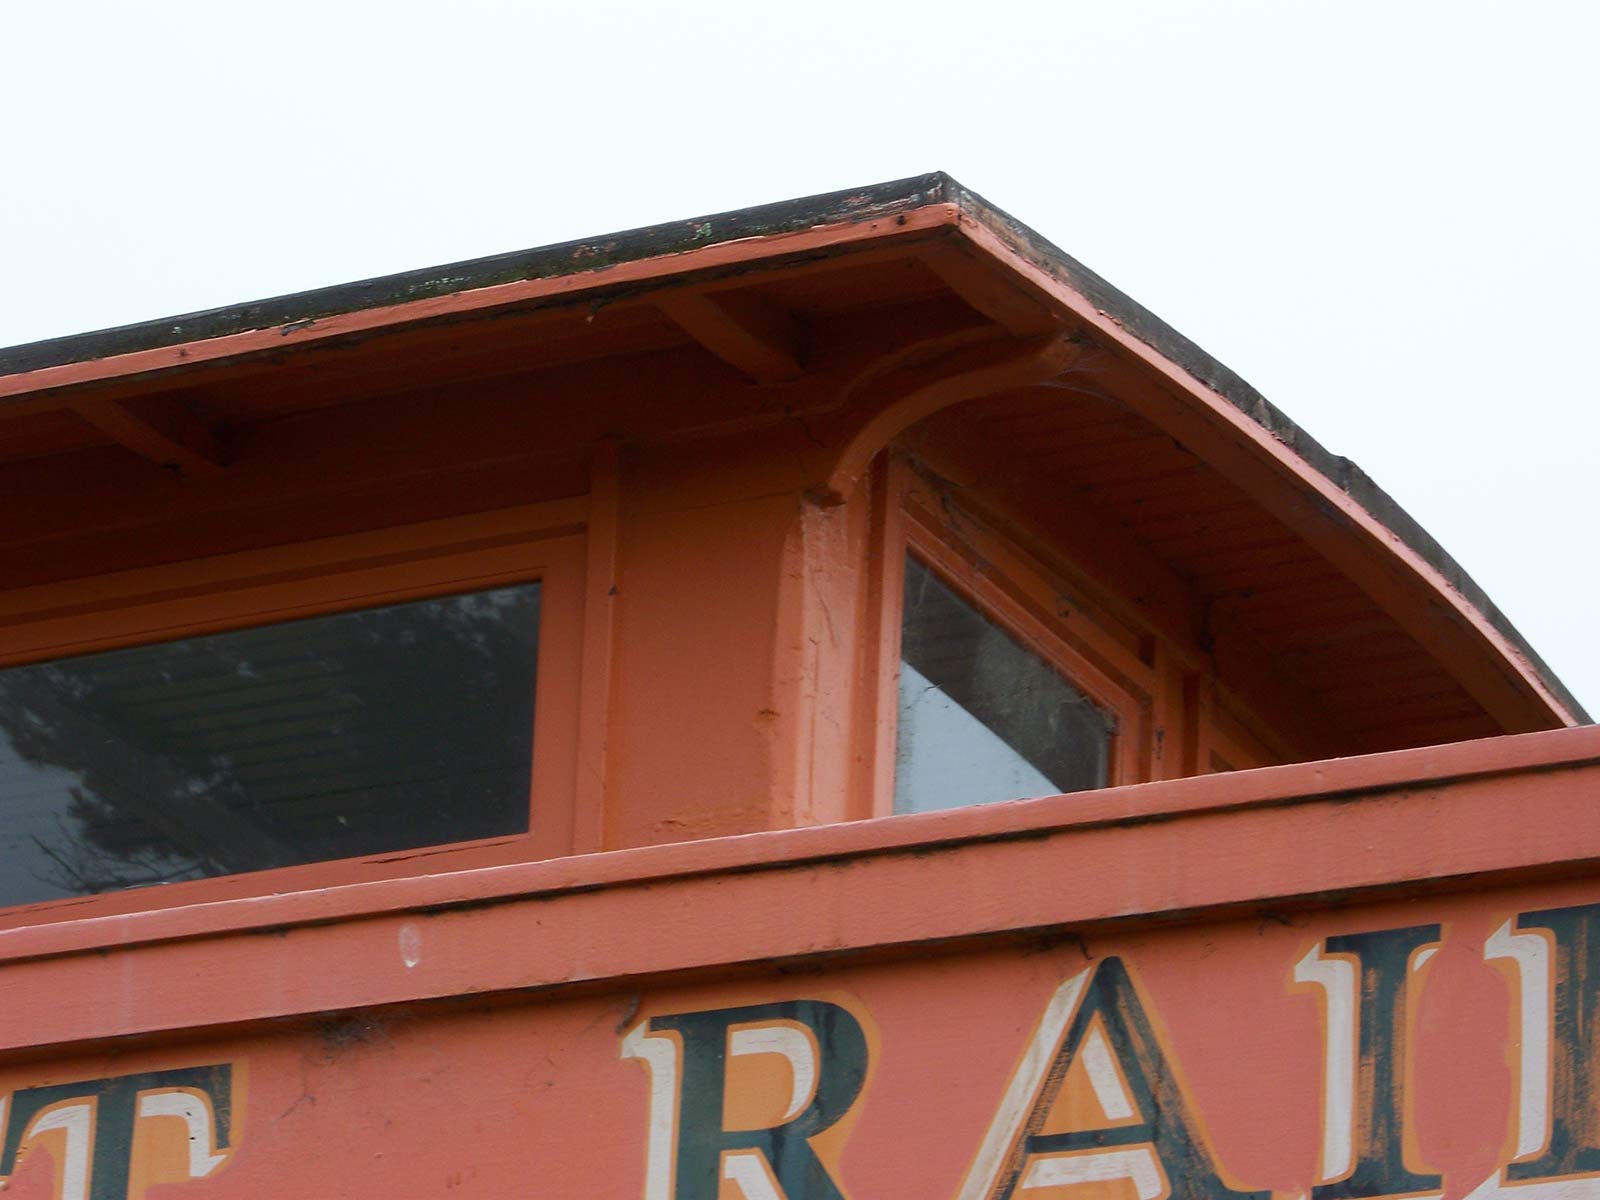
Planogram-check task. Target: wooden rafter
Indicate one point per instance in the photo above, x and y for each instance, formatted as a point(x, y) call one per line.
point(756, 338)
point(986, 290)
point(166, 431)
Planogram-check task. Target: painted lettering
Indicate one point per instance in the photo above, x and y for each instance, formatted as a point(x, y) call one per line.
point(1098, 1036)
point(1554, 958)
point(94, 1122)
point(701, 1136)
point(1365, 979)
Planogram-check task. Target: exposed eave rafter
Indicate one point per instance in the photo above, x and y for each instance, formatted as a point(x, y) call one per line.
point(164, 430)
point(753, 336)
point(995, 296)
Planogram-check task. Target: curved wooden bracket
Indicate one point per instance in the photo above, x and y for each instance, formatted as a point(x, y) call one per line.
point(914, 393)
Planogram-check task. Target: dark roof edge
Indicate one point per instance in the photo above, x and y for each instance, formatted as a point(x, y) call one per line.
point(541, 262)
point(855, 204)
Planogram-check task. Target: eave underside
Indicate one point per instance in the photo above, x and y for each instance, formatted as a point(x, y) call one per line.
point(113, 469)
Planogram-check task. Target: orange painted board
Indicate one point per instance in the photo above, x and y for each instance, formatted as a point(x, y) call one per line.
point(1241, 1030)
point(1272, 840)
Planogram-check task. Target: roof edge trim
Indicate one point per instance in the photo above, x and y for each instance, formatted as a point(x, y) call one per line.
point(1132, 318)
point(580, 257)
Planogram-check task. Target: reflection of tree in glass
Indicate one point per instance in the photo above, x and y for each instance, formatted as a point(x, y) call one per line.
point(72, 862)
point(333, 737)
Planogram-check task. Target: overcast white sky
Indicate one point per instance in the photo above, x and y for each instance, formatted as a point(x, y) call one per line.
point(1384, 215)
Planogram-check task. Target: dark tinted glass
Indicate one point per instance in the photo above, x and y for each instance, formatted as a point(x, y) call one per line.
point(982, 717)
point(345, 735)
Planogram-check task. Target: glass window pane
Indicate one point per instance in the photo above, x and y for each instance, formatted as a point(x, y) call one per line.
point(345, 735)
point(982, 717)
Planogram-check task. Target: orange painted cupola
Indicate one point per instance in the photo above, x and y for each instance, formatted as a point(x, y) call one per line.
point(497, 630)
point(774, 471)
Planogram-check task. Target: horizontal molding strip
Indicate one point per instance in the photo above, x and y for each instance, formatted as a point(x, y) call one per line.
point(1269, 838)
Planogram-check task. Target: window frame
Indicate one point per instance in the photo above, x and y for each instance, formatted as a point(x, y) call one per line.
point(1002, 582)
point(545, 542)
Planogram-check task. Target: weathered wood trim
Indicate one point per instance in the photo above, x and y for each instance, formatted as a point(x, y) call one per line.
point(740, 253)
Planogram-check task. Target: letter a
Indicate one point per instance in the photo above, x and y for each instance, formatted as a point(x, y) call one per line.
point(1146, 1132)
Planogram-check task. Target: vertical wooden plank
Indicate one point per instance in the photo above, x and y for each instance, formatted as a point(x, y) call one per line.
point(878, 684)
point(1170, 718)
point(1196, 693)
point(600, 598)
